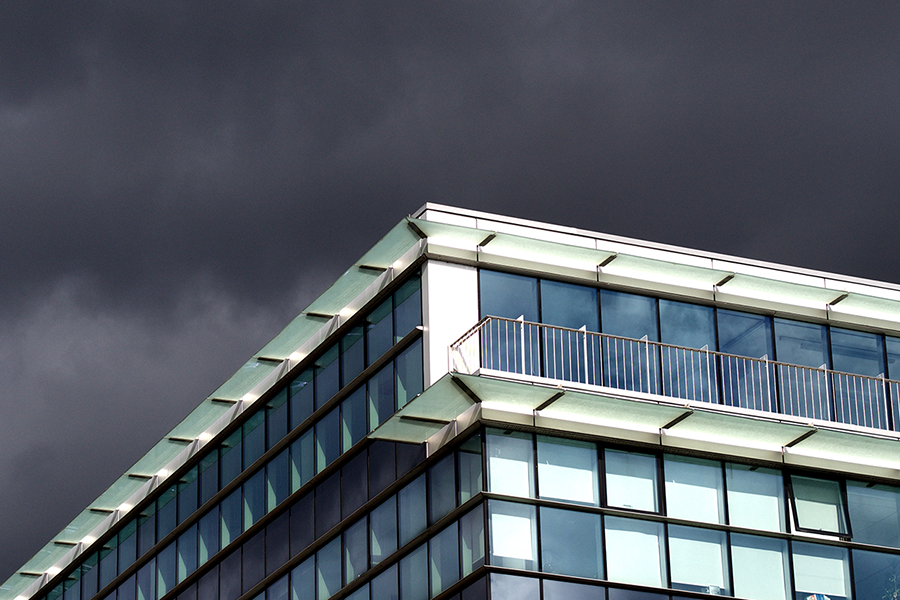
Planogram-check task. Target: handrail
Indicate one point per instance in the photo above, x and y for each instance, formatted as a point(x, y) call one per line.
point(703, 375)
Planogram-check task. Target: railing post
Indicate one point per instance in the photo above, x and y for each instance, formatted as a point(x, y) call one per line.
point(521, 320)
point(647, 349)
point(584, 345)
point(708, 373)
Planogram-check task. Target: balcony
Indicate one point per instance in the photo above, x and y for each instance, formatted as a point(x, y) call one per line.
point(561, 354)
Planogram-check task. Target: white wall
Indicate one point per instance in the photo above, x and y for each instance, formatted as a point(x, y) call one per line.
point(450, 295)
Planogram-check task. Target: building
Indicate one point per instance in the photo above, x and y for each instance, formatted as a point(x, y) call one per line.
point(485, 407)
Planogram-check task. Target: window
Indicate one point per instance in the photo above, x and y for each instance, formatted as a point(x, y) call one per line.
point(821, 570)
point(694, 489)
point(567, 470)
point(571, 543)
point(761, 567)
point(510, 463)
point(635, 551)
point(699, 560)
point(819, 505)
point(755, 497)
point(513, 535)
point(875, 513)
point(631, 480)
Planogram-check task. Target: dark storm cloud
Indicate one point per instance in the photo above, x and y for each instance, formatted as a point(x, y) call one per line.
point(178, 179)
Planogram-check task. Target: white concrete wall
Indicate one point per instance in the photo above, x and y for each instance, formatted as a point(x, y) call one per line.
point(450, 298)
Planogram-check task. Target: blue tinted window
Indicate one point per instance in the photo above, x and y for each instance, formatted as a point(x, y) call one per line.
point(327, 380)
point(630, 365)
point(407, 308)
point(379, 331)
point(860, 401)
point(352, 355)
point(302, 397)
point(803, 392)
point(509, 296)
point(328, 439)
point(746, 383)
point(567, 305)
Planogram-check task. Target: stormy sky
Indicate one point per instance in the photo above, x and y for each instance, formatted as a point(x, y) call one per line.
point(179, 179)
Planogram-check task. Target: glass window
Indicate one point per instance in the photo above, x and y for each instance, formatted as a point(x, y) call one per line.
point(328, 504)
point(254, 498)
point(165, 570)
point(573, 307)
point(381, 396)
point(327, 372)
point(443, 550)
point(108, 559)
point(328, 569)
point(383, 532)
point(209, 535)
point(567, 470)
point(470, 479)
point(303, 460)
point(360, 594)
point(230, 458)
point(379, 331)
point(382, 466)
point(761, 567)
point(355, 560)
point(513, 535)
point(146, 581)
point(302, 523)
point(414, 574)
point(471, 534)
point(629, 365)
point(510, 296)
point(278, 479)
point(694, 489)
point(208, 586)
point(328, 439)
point(303, 580)
point(89, 570)
point(302, 397)
point(353, 418)
point(278, 590)
point(571, 543)
point(166, 513)
point(858, 401)
point(631, 480)
point(699, 560)
point(686, 373)
point(209, 476)
point(804, 392)
point(254, 438)
point(819, 505)
point(561, 590)
point(876, 575)
point(755, 497)
point(875, 513)
point(254, 561)
point(510, 463)
point(442, 488)
point(510, 587)
point(412, 509)
point(353, 357)
point(409, 373)
point(276, 418)
point(353, 484)
point(127, 545)
point(821, 570)
point(635, 552)
point(278, 542)
point(386, 585)
point(231, 517)
point(230, 576)
point(746, 383)
point(146, 529)
point(407, 308)
point(187, 552)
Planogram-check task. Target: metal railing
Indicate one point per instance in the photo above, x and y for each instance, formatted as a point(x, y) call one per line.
point(519, 346)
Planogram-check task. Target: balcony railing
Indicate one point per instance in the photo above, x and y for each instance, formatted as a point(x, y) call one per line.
point(518, 346)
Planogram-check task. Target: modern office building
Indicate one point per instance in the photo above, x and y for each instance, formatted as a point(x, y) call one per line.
point(485, 407)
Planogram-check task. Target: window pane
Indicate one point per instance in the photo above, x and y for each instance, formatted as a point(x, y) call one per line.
point(353, 484)
point(379, 331)
point(631, 480)
point(146, 581)
point(567, 355)
point(209, 476)
point(699, 560)
point(230, 458)
point(694, 489)
point(353, 418)
point(442, 488)
point(208, 586)
point(510, 296)
point(328, 504)
point(876, 575)
point(412, 510)
point(276, 418)
point(761, 567)
point(804, 392)
point(355, 560)
point(561, 590)
point(686, 374)
point(821, 570)
point(384, 530)
point(254, 498)
point(328, 569)
point(326, 374)
point(509, 587)
point(470, 478)
point(302, 397)
point(567, 470)
point(510, 463)
point(230, 577)
point(746, 383)
point(328, 439)
point(571, 543)
point(381, 396)
point(443, 550)
point(165, 570)
point(755, 497)
point(254, 438)
point(187, 553)
point(819, 504)
point(302, 523)
point(278, 542)
point(414, 575)
point(513, 535)
point(352, 355)
point(231, 517)
point(386, 585)
point(254, 562)
point(278, 590)
point(629, 365)
point(408, 308)
point(209, 535)
point(875, 513)
point(471, 534)
point(409, 373)
point(278, 480)
point(303, 580)
point(635, 552)
point(858, 401)
point(303, 460)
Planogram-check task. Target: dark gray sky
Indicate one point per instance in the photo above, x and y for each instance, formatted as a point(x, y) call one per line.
point(179, 179)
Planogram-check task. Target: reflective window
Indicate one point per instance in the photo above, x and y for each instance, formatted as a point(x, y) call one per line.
point(510, 463)
point(561, 590)
point(407, 308)
point(303, 460)
point(381, 396)
point(874, 513)
point(352, 355)
point(755, 497)
point(567, 470)
point(635, 552)
point(353, 418)
point(876, 575)
point(694, 489)
point(355, 556)
point(761, 567)
point(513, 533)
point(254, 498)
point(631, 480)
point(327, 374)
point(414, 574)
point(412, 509)
point(511, 347)
point(442, 488)
point(328, 569)
point(746, 383)
point(303, 580)
point(627, 364)
point(328, 439)
point(230, 512)
point(278, 479)
point(409, 373)
point(443, 551)
point(379, 331)
point(686, 373)
point(821, 570)
point(510, 587)
point(571, 543)
point(470, 478)
point(568, 355)
point(699, 560)
point(819, 505)
point(858, 401)
point(384, 530)
point(302, 397)
point(471, 535)
point(386, 585)
point(804, 392)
